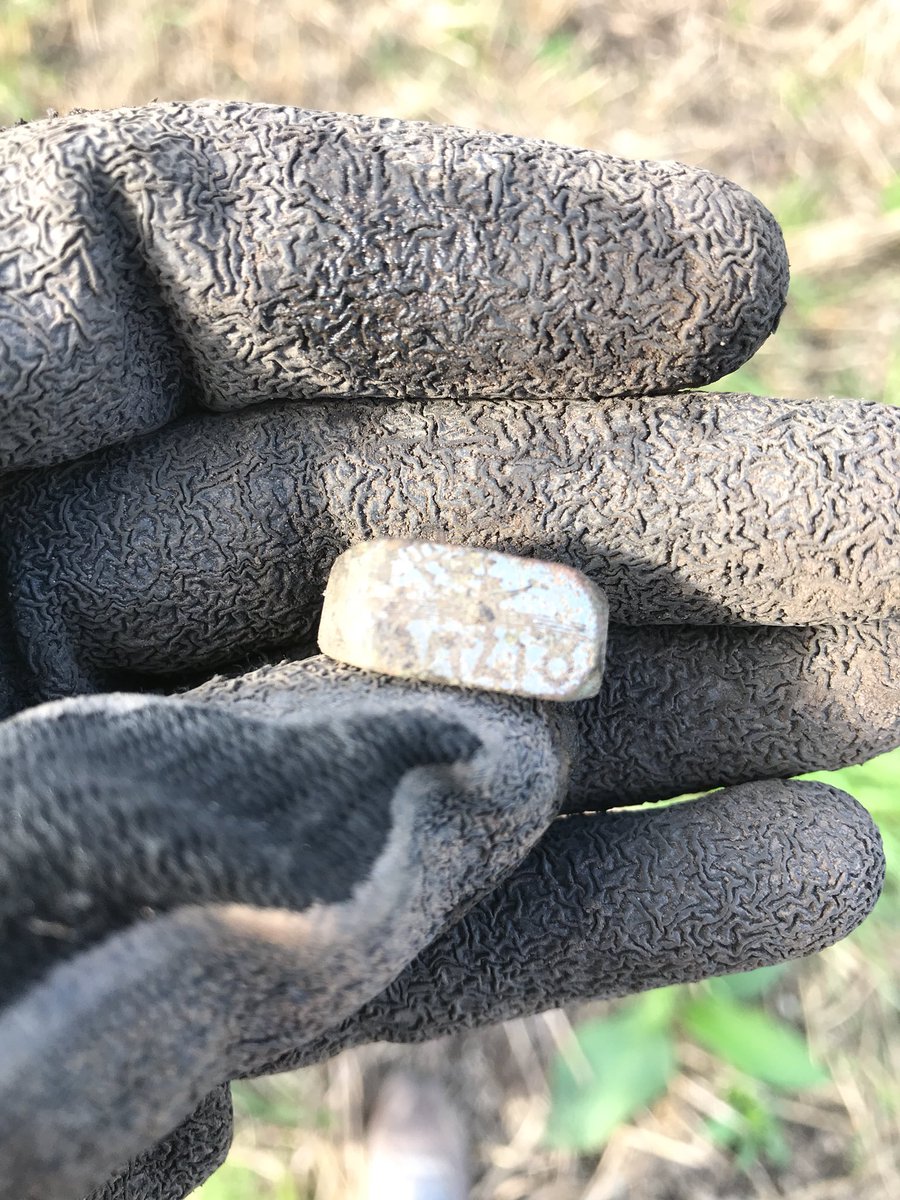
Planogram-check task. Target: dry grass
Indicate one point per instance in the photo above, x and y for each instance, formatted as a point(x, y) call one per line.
point(798, 101)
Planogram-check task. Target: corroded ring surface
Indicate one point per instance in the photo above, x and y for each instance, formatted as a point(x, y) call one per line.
point(467, 617)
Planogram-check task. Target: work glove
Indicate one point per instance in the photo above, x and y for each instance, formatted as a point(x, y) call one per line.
point(235, 340)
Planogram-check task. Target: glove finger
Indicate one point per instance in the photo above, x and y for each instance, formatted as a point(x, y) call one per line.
point(692, 708)
point(680, 710)
point(173, 1167)
point(268, 253)
point(215, 537)
point(189, 891)
point(610, 905)
point(619, 903)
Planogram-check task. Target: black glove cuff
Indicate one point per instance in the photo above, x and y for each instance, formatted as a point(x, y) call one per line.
point(172, 1168)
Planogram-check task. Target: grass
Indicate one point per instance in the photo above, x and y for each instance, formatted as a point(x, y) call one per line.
point(798, 102)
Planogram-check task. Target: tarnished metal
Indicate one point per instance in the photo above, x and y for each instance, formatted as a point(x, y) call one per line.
point(467, 617)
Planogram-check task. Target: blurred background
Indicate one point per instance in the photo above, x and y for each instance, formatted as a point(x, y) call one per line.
point(796, 100)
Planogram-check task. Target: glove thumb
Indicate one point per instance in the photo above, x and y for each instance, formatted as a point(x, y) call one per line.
point(189, 890)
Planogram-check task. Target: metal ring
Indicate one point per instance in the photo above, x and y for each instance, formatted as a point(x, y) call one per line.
point(467, 617)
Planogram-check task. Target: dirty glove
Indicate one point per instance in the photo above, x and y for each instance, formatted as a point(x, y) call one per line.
point(236, 339)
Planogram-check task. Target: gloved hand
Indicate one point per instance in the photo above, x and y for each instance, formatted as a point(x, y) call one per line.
point(236, 339)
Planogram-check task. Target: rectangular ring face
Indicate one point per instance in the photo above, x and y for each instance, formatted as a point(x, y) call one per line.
point(467, 617)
